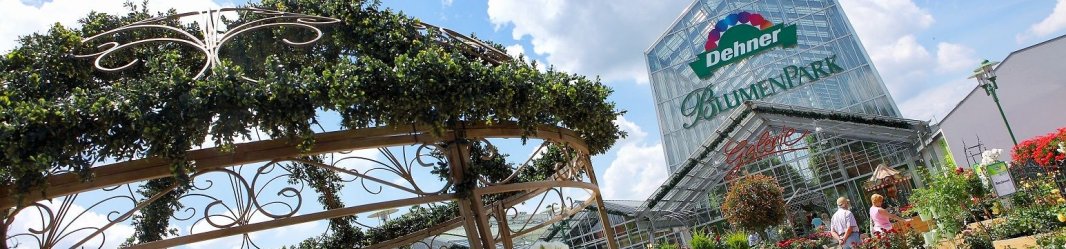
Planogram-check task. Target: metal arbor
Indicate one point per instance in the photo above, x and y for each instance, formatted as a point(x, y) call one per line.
point(255, 173)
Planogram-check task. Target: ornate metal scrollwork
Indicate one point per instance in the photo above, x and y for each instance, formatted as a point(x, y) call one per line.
point(213, 34)
point(244, 199)
point(394, 164)
point(63, 225)
point(470, 46)
point(248, 199)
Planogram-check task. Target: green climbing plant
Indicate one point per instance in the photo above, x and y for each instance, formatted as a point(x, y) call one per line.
point(374, 68)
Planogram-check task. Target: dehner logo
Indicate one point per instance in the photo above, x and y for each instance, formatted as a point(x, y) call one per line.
point(739, 36)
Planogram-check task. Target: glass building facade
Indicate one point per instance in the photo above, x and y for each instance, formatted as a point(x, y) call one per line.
point(846, 120)
point(823, 31)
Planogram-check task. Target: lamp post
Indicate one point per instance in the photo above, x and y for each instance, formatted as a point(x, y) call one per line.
point(986, 77)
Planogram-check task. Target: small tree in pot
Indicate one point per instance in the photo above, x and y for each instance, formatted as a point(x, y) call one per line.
point(754, 203)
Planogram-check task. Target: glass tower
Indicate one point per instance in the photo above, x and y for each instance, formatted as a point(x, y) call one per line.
point(823, 31)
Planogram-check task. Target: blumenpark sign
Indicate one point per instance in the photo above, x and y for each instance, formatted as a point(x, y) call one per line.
point(739, 36)
point(704, 104)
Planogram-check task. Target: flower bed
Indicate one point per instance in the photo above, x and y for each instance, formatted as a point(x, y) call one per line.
point(892, 239)
point(814, 241)
point(1047, 150)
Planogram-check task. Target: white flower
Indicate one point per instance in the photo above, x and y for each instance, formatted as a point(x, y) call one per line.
point(1062, 147)
point(990, 156)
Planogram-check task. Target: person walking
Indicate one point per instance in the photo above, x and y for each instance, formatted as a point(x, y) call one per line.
point(880, 219)
point(843, 226)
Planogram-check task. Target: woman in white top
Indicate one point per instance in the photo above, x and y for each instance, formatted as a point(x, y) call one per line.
point(880, 219)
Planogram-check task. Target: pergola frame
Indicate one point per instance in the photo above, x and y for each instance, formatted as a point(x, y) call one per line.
point(453, 145)
point(474, 212)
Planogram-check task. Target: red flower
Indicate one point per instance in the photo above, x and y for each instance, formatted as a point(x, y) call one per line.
point(1043, 150)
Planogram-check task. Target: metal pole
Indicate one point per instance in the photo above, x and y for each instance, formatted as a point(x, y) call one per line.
point(995, 98)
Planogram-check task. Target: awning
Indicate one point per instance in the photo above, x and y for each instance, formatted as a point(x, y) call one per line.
point(705, 167)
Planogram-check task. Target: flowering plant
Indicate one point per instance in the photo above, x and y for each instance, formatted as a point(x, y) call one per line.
point(892, 239)
point(813, 241)
point(990, 156)
point(1047, 150)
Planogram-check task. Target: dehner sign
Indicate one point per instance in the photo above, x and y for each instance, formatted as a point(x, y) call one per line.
point(739, 36)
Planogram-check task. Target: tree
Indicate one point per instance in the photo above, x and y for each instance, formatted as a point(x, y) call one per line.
point(754, 203)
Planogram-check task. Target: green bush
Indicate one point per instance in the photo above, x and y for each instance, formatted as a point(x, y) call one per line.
point(737, 240)
point(1036, 205)
point(1056, 240)
point(944, 196)
point(700, 240)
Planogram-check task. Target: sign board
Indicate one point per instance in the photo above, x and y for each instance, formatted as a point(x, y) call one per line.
point(742, 153)
point(1000, 177)
point(738, 36)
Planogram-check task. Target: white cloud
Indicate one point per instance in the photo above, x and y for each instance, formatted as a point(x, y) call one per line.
point(638, 169)
point(593, 37)
point(934, 103)
point(885, 21)
point(954, 57)
point(515, 50)
point(447, 3)
point(889, 30)
point(1051, 24)
point(30, 218)
point(20, 19)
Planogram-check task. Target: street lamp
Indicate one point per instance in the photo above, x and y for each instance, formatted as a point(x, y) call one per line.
point(986, 77)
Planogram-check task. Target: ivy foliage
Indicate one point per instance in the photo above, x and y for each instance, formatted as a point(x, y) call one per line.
point(375, 68)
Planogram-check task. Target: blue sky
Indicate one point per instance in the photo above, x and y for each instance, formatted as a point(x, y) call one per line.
point(923, 49)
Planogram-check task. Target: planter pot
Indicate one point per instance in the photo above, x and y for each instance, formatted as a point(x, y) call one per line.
point(1020, 242)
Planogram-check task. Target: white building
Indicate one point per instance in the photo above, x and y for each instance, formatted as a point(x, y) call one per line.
point(1032, 91)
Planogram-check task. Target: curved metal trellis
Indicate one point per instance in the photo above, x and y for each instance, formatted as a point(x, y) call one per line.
point(213, 34)
point(247, 209)
point(254, 177)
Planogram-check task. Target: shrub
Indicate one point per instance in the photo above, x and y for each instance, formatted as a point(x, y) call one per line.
point(737, 240)
point(1055, 240)
point(754, 203)
point(945, 196)
point(700, 240)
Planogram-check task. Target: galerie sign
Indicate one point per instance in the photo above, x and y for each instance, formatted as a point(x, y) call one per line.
point(739, 36)
point(742, 153)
